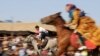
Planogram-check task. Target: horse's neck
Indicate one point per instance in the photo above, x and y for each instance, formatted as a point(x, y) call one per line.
point(59, 29)
point(59, 21)
point(36, 39)
point(63, 31)
point(60, 26)
point(30, 38)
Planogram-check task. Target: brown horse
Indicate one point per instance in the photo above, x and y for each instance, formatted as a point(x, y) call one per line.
point(63, 33)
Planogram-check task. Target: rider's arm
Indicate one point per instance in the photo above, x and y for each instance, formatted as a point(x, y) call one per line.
point(76, 15)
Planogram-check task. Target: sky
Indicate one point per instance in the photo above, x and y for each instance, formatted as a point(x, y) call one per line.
point(34, 10)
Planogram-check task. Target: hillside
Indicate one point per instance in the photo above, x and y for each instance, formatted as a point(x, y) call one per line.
point(23, 26)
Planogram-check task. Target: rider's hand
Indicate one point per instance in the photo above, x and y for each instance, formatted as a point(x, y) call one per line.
point(73, 26)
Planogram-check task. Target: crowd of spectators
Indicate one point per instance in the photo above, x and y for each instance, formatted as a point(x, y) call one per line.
point(15, 46)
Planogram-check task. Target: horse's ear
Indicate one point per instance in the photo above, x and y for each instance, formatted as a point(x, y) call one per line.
point(59, 13)
point(56, 15)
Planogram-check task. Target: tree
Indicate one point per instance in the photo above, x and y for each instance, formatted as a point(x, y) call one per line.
point(8, 21)
point(18, 21)
point(1, 21)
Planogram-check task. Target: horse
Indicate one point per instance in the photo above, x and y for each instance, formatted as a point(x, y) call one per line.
point(49, 45)
point(63, 33)
point(52, 42)
point(34, 42)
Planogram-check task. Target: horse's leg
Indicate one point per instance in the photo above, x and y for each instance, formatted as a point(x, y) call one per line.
point(95, 52)
point(36, 47)
point(62, 48)
point(47, 46)
point(60, 51)
point(99, 51)
point(70, 51)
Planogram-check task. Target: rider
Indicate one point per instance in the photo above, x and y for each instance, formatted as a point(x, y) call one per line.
point(42, 33)
point(83, 25)
point(75, 14)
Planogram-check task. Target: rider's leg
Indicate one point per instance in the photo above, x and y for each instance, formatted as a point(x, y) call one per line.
point(81, 38)
point(43, 35)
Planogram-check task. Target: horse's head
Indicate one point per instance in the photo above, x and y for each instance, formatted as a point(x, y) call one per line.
point(52, 19)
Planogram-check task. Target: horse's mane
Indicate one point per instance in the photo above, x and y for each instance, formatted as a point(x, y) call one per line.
point(68, 28)
point(62, 19)
point(65, 23)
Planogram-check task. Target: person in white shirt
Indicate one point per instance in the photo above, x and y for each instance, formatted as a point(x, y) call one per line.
point(42, 33)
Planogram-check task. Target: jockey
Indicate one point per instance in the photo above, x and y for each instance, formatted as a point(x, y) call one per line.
point(82, 24)
point(42, 33)
point(75, 14)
